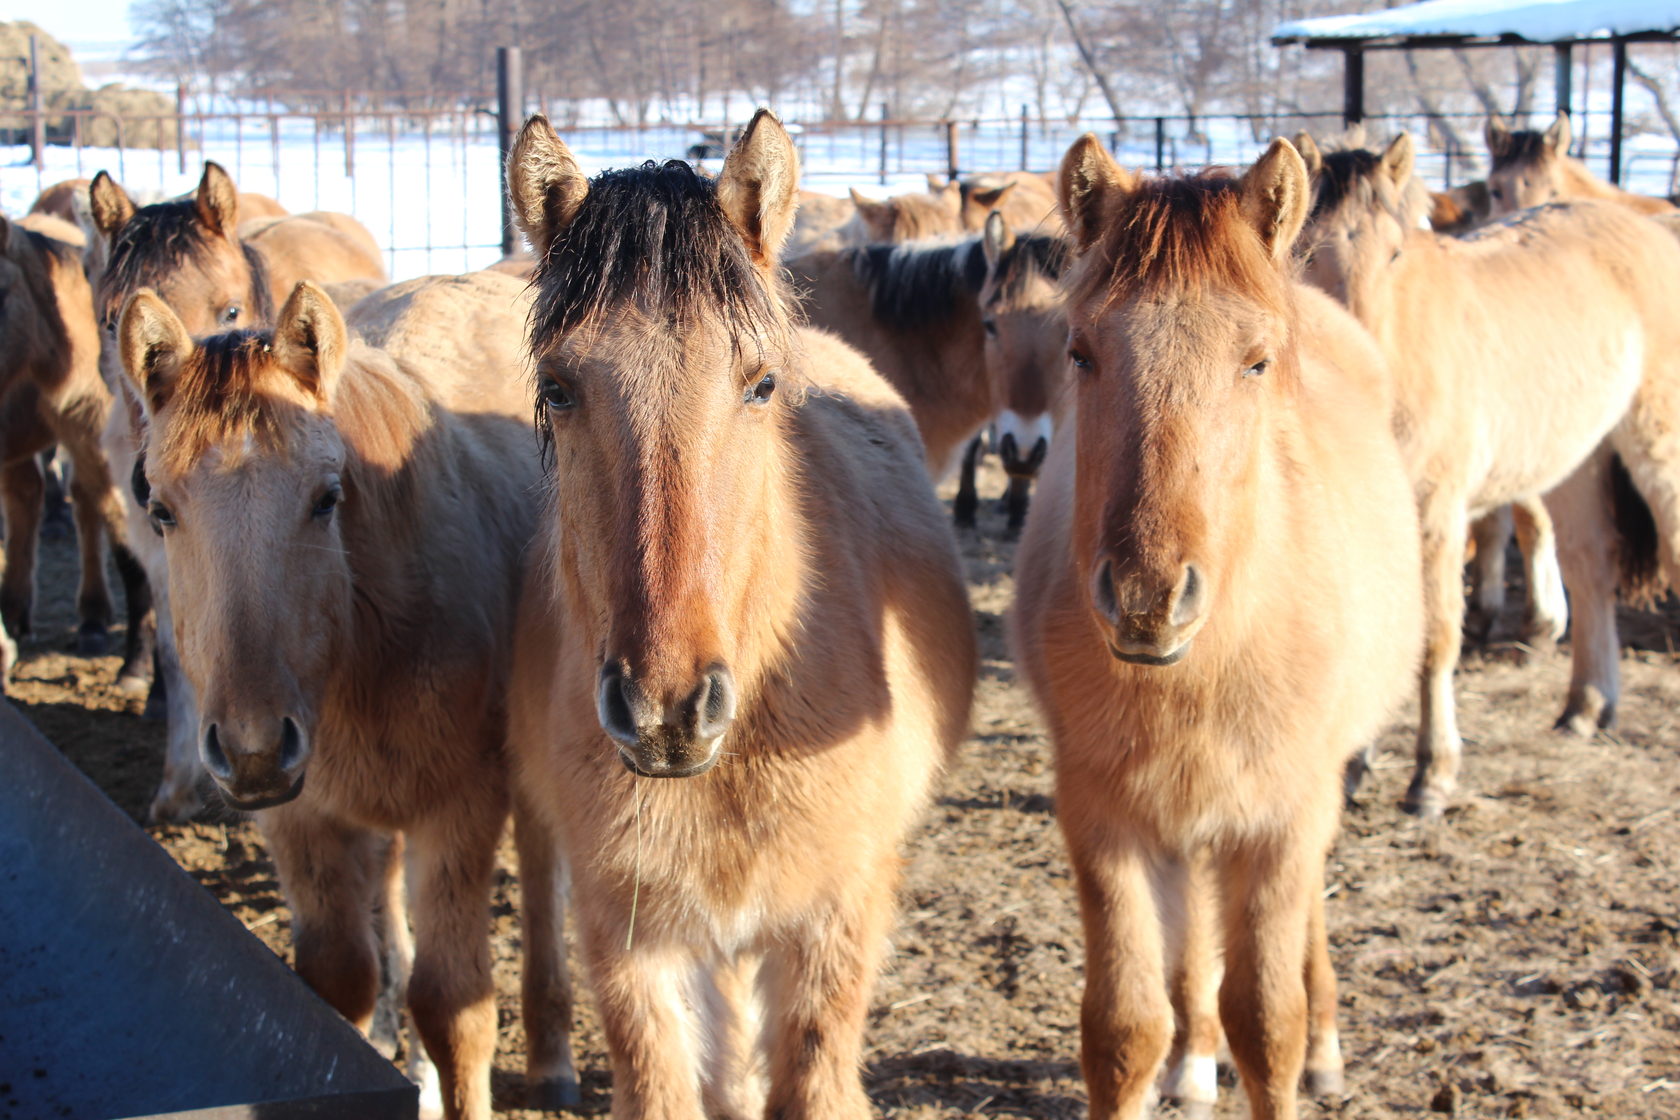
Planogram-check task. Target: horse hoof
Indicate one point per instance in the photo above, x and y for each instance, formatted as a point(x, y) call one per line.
point(551, 1094)
point(92, 640)
point(1324, 1082)
point(1425, 803)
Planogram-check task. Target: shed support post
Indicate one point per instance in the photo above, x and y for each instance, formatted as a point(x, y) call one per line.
point(1353, 86)
point(1618, 84)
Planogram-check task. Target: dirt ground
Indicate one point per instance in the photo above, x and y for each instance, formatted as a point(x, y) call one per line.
point(1521, 958)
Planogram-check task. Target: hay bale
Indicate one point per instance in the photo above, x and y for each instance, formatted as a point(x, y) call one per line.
point(148, 117)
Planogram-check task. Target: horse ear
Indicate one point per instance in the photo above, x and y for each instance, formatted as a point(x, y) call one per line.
point(153, 346)
point(1088, 176)
point(109, 205)
point(1498, 135)
point(758, 187)
point(1310, 154)
point(1275, 197)
point(936, 183)
point(1557, 136)
point(1398, 159)
point(217, 202)
point(997, 239)
point(545, 185)
point(310, 340)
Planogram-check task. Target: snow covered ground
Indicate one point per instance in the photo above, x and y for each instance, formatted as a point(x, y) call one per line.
point(434, 200)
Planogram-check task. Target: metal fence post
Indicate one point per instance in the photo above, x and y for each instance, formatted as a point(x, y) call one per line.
point(1160, 145)
point(37, 119)
point(886, 115)
point(510, 115)
point(180, 128)
point(951, 150)
point(1023, 138)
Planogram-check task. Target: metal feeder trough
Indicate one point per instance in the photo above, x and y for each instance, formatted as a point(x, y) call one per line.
point(126, 990)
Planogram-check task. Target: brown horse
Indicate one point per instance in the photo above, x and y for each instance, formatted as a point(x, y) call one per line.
point(345, 534)
point(1460, 209)
point(1025, 349)
point(741, 665)
point(1530, 168)
point(51, 392)
point(1537, 352)
point(1026, 200)
point(1218, 601)
point(909, 216)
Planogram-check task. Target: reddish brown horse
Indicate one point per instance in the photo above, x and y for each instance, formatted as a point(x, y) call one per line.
point(1218, 601)
point(747, 650)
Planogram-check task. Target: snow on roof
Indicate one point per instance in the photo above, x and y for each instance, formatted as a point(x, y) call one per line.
point(1537, 21)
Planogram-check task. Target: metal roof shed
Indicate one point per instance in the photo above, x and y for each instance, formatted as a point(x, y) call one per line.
point(1437, 24)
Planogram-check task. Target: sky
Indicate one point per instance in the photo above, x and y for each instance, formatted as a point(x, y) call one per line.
point(73, 21)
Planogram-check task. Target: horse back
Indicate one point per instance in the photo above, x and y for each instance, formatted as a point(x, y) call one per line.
point(321, 247)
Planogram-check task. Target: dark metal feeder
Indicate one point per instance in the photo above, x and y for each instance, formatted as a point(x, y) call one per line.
point(126, 990)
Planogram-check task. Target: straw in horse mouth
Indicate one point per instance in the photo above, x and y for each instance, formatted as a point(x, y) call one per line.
point(693, 771)
point(268, 802)
point(1172, 658)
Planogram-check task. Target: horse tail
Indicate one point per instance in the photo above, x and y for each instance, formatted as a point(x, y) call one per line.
point(1640, 579)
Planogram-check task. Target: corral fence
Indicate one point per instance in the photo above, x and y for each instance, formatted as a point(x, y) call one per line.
point(426, 181)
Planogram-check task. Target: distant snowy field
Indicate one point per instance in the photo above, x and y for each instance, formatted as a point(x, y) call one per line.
point(434, 202)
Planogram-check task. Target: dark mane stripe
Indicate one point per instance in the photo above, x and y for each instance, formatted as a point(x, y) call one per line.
point(919, 285)
point(157, 239)
point(1030, 256)
point(1343, 172)
point(219, 397)
point(262, 306)
point(1521, 146)
point(654, 235)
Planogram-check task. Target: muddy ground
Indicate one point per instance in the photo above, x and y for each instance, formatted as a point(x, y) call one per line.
point(1521, 958)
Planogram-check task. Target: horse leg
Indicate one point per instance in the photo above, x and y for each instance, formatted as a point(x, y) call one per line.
point(1125, 1016)
point(1020, 489)
point(1547, 614)
point(177, 798)
point(819, 985)
point(1648, 441)
point(1487, 573)
point(967, 502)
point(1438, 745)
point(1263, 1001)
point(733, 1077)
point(55, 520)
point(21, 487)
point(330, 874)
point(1586, 552)
point(93, 594)
point(650, 1041)
point(546, 988)
point(1324, 1044)
point(1192, 1077)
point(450, 992)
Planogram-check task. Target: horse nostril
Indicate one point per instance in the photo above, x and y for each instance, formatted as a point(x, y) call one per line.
point(1189, 603)
point(1102, 593)
point(291, 744)
point(1008, 450)
point(216, 759)
point(612, 706)
point(716, 703)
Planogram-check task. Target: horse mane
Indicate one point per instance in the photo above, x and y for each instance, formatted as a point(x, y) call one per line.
point(920, 284)
point(218, 396)
point(1176, 233)
point(262, 299)
point(1354, 173)
point(1032, 256)
point(1523, 145)
point(656, 235)
point(161, 238)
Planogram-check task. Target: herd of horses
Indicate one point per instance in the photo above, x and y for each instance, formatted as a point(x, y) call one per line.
point(1267, 410)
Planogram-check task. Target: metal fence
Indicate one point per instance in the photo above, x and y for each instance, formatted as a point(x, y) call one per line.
point(427, 181)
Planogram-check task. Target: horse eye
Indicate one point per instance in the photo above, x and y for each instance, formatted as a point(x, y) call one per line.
point(1079, 360)
point(326, 503)
point(1497, 193)
point(1258, 368)
point(991, 327)
point(556, 395)
point(761, 392)
point(231, 314)
point(161, 517)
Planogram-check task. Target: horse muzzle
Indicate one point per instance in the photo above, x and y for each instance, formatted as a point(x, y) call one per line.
point(675, 739)
point(1022, 444)
point(256, 765)
point(1149, 621)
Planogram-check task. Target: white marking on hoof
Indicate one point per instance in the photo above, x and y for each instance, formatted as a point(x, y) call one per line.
point(1195, 1080)
point(424, 1074)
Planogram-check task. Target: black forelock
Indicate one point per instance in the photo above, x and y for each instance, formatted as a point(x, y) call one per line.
point(156, 240)
point(918, 285)
point(1342, 171)
point(1522, 145)
point(1035, 254)
point(655, 235)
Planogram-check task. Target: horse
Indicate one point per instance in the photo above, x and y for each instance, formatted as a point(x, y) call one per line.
point(374, 660)
point(1026, 201)
point(191, 252)
point(1025, 349)
point(1531, 167)
point(51, 392)
point(1537, 356)
point(913, 310)
point(1218, 600)
point(823, 222)
point(1546, 612)
point(746, 649)
point(907, 217)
